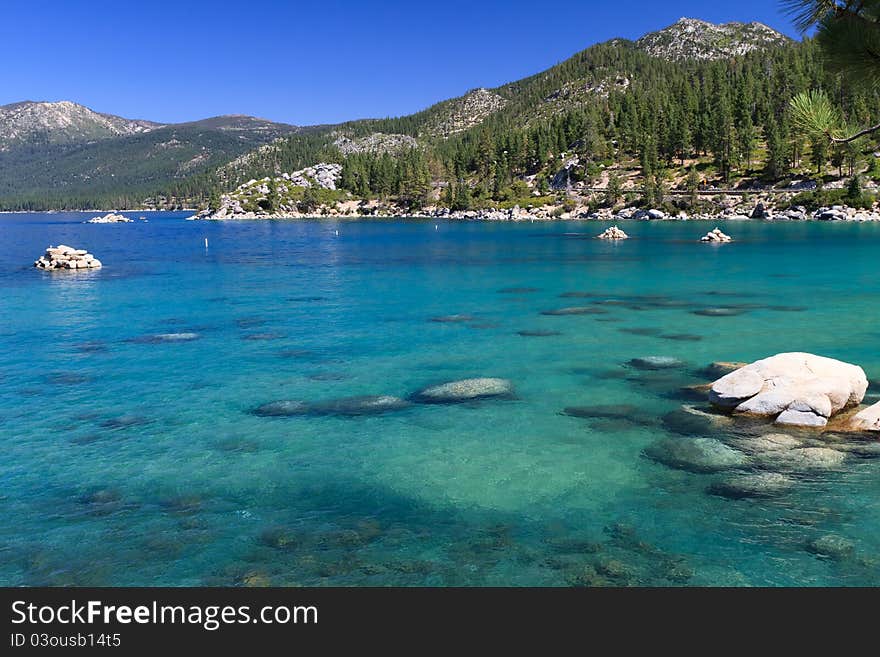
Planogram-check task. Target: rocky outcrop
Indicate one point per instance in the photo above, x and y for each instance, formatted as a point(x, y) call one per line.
point(793, 388)
point(716, 235)
point(66, 257)
point(612, 233)
point(110, 218)
point(377, 143)
point(691, 38)
point(459, 114)
point(323, 175)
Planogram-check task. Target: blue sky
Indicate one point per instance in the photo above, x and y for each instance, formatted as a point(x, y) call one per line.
point(307, 62)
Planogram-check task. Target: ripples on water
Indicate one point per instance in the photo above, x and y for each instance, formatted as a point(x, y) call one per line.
point(132, 455)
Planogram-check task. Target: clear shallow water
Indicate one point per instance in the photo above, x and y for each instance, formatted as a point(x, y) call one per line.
point(128, 460)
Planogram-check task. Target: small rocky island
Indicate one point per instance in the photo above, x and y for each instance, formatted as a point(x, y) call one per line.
point(796, 389)
point(716, 235)
point(110, 218)
point(612, 233)
point(66, 257)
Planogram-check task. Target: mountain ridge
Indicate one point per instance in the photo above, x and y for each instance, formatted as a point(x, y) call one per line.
point(582, 106)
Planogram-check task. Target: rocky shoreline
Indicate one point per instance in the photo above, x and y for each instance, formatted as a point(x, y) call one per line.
point(376, 210)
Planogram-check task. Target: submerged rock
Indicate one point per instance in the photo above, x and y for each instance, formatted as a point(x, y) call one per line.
point(647, 331)
point(682, 337)
point(349, 406)
point(453, 319)
point(771, 442)
point(575, 310)
point(258, 337)
point(167, 337)
point(722, 367)
point(68, 378)
point(465, 390)
point(655, 363)
point(804, 459)
point(719, 311)
point(518, 290)
point(761, 484)
point(700, 455)
point(832, 546)
point(537, 333)
point(282, 408)
point(626, 412)
point(795, 388)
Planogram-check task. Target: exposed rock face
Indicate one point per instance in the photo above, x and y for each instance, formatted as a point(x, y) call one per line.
point(377, 143)
point(760, 212)
point(66, 257)
point(465, 390)
point(459, 114)
point(690, 38)
point(716, 236)
point(110, 219)
point(795, 388)
point(323, 175)
point(612, 233)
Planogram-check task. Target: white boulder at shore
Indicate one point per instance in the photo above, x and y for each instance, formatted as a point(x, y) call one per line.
point(66, 257)
point(110, 218)
point(867, 419)
point(795, 388)
point(612, 233)
point(716, 236)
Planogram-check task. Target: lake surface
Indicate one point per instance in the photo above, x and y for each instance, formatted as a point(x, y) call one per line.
point(132, 454)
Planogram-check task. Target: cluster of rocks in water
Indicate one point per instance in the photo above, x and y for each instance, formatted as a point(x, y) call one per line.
point(817, 397)
point(110, 218)
point(716, 235)
point(796, 389)
point(453, 392)
point(66, 257)
point(612, 233)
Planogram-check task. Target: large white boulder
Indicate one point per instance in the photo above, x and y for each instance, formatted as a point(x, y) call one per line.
point(795, 388)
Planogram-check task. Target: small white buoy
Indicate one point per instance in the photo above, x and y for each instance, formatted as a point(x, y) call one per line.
point(206, 242)
point(337, 232)
point(436, 227)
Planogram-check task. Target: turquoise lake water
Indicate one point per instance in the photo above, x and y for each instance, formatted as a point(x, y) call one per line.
point(132, 459)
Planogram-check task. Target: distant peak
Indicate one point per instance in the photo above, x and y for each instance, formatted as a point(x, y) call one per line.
point(693, 38)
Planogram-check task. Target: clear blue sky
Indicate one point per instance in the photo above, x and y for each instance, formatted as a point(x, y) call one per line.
point(307, 62)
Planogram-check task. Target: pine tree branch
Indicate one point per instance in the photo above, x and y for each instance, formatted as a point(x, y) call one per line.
point(861, 133)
